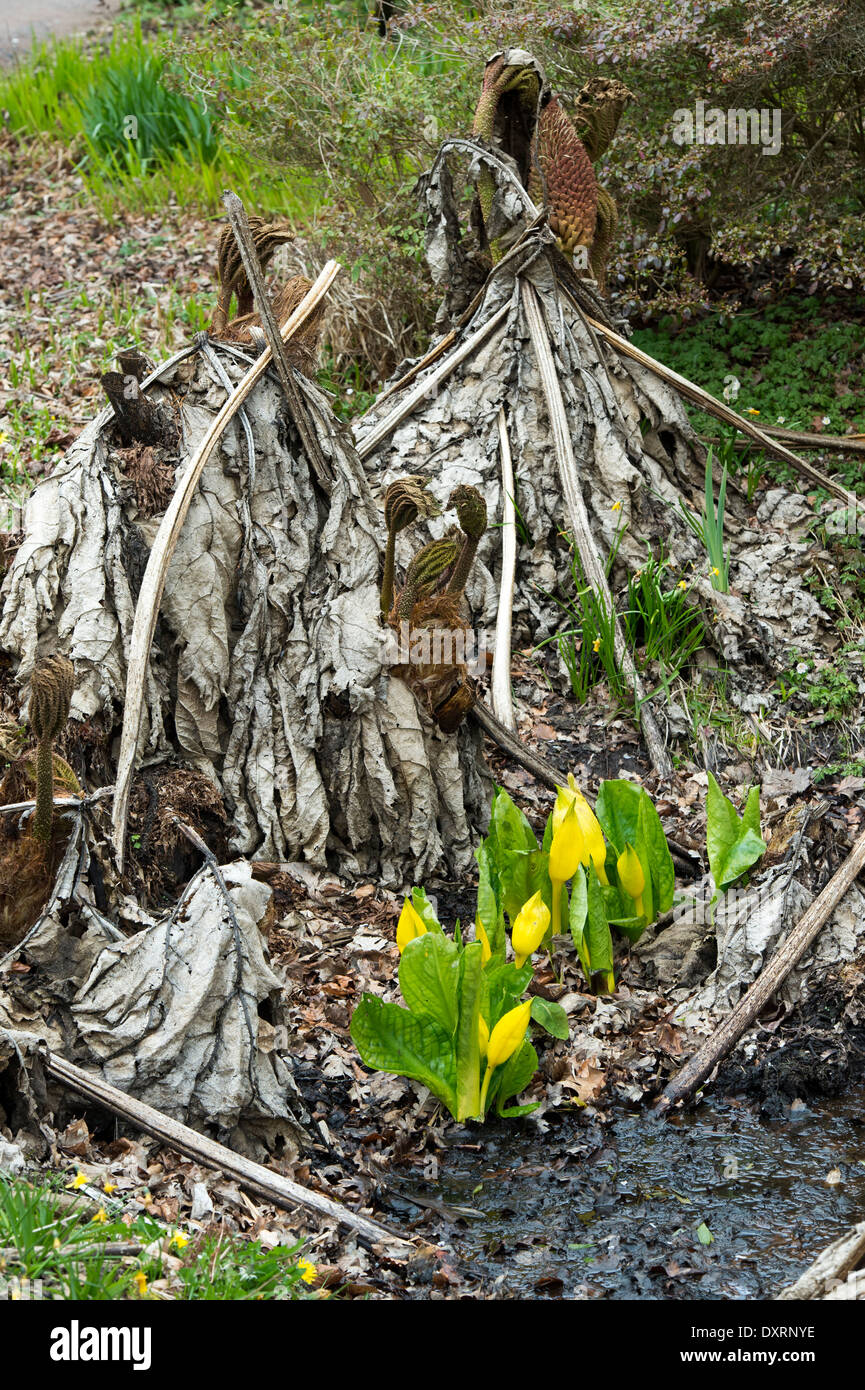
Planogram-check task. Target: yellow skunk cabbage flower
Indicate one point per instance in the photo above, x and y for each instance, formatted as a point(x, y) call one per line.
point(631, 876)
point(504, 1040)
point(410, 925)
point(567, 847)
point(530, 928)
point(483, 1035)
point(481, 936)
point(566, 854)
point(595, 849)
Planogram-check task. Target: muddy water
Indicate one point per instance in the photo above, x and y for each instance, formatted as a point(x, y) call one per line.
point(619, 1211)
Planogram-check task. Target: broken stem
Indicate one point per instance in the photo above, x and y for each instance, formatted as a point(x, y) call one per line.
point(500, 683)
point(724, 1039)
point(593, 566)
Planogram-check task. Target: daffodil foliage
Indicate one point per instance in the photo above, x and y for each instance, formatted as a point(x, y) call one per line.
point(733, 842)
point(464, 1032)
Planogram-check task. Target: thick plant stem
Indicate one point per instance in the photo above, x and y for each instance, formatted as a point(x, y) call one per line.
point(463, 566)
point(387, 576)
point(44, 813)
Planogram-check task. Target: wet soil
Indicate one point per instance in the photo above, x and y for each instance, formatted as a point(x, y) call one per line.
point(713, 1204)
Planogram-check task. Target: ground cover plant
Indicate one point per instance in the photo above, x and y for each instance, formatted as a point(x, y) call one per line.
point(55, 1247)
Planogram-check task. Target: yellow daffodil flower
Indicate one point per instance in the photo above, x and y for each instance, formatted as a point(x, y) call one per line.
point(595, 851)
point(101, 1216)
point(596, 645)
point(481, 936)
point(751, 411)
point(631, 876)
point(308, 1271)
point(530, 927)
point(80, 1180)
point(109, 1187)
point(410, 925)
point(505, 1038)
point(616, 507)
point(683, 584)
point(178, 1240)
point(141, 1280)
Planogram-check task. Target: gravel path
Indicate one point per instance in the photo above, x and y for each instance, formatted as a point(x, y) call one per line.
point(20, 19)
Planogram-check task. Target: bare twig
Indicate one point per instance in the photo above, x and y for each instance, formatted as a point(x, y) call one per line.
point(819, 443)
point(830, 1269)
point(511, 744)
point(724, 1039)
point(296, 404)
point(273, 1187)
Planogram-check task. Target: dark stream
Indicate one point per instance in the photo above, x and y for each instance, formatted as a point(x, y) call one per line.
point(614, 1211)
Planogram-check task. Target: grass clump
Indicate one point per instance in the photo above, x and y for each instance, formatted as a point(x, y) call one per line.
point(56, 1250)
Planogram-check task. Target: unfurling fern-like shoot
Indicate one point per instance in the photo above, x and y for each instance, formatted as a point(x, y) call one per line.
point(405, 501)
point(426, 571)
point(471, 510)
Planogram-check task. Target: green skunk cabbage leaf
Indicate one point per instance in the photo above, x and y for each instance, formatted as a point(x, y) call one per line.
point(510, 843)
point(488, 910)
point(627, 816)
point(597, 936)
point(391, 1039)
point(551, 1017)
point(631, 927)
point(734, 843)
point(579, 911)
point(505, 988)
point(429, 972)
point(468, 1053)
point(515, 1076)
point(425, 910)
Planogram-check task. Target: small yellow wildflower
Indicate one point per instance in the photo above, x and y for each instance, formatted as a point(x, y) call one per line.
point(141, 1280)
point(715, 569)
point(101, 1216)
point(146, 1197)
point(308, 1271)
point(80, 1180)
point(178, 1240)
point(751, 411)
point(596, 645)
point(616, 507)
point(683, 584)
point(56, 1242)
point(109, 1187)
